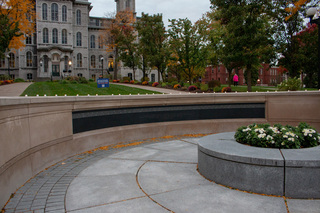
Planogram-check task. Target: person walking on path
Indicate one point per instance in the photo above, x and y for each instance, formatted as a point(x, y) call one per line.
point(235, 80)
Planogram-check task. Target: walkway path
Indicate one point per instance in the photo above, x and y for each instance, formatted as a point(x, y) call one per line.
point(15, 89)
point(152, 177)
point(157, 89)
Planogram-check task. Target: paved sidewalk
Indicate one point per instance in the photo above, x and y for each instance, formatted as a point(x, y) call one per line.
point(15, 89)
point(151, 177)
point(157, 89)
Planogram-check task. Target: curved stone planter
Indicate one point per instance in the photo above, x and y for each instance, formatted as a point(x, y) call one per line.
point(290, 173)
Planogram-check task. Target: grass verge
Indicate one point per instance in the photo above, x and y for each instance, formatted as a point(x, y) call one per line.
point(69, 89)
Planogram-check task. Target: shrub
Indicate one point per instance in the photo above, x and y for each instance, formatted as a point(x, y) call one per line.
point(132, 82)
point(2, 82)
point(192, 88)
point(64, 81)
point(198, 84)
point(145, 79)
point(226, 89)
point(91, 80)
point(174, 83)
point(163, 84)
point(214, 83)
point(204, 87)
point(292, 84)
point(83, 80)
point(145, 83)
point(19, 80)
point(177, 86)
point(126, 81)
point(278, 136)
point(155, 84)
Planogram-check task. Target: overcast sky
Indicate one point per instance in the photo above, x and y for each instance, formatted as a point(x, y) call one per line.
point(170, 9)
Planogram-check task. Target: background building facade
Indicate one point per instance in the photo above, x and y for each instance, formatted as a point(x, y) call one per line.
point(67, 42)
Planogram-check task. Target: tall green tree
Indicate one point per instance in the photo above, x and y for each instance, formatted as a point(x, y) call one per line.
point(287, 26)
point(122, 37)
point(308, 46)
point(188, 44)
point(152, 39)
point(247, 32)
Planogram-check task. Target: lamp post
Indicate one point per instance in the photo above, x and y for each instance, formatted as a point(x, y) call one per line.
point(70, 64)
point(101, 59)
point(313, 14)
point(8, 57)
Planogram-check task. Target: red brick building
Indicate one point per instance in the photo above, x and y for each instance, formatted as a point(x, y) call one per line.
point(267, 75)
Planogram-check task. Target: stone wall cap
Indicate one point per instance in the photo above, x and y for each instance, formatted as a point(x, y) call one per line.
point(225, 147)
point(309, 157)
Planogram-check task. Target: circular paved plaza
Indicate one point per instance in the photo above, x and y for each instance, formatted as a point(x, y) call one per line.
point(156, 175)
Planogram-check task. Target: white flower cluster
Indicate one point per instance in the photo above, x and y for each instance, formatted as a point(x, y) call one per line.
point(274, 129)
point(308, 132)
point(262, 135)
point(290, 136)
point(246, 130)
point(260, 130)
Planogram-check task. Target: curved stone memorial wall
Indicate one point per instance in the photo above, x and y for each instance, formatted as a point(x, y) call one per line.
point(37, 132)
point(284, 172)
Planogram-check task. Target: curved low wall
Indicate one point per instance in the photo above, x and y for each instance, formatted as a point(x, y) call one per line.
point(291, 173)
point(37, 132)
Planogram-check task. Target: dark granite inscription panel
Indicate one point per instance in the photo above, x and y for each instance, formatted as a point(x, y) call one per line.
point(98, 119)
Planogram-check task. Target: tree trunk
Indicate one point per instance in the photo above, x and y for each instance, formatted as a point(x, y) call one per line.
point(115, 74)
point(249, 78)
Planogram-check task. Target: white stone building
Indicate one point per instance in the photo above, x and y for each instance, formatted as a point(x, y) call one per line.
point(67, 42)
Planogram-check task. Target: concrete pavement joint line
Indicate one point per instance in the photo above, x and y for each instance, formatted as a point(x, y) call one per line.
point(137, 179)
point(105, 204)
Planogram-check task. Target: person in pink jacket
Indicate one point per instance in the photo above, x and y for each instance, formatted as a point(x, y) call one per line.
point(235, 80)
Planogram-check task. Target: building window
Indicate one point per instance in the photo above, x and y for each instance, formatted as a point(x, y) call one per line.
point(127, 4)
point(79, 39)
point(44, 11)
point(66, 63)
point(55, 36)
point(79, 74)
point(29, 76)
point(93, 61)
point(92, 42)
point(100, 42)
point(45, 63)
point(100, 64)
point(2, 62)
point(97, 22)
point(28, 39)
point(54, 12)
point(45, 36)
point(11, 60)
point(64, 36)
point(64, 13)
point(78, 17)
point(79, 60)
point(29, 59)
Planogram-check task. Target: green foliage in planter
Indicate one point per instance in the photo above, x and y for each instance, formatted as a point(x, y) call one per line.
point(278, 136)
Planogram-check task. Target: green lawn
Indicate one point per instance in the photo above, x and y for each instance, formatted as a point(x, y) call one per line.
point(56, 88)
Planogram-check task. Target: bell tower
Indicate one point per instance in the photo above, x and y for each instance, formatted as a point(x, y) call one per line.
point(123, 5)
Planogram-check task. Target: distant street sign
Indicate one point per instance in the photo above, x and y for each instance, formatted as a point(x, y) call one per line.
point(103, 82)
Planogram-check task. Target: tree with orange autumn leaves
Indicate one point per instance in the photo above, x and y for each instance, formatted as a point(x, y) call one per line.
point(17, 19)
point(120, 38)
point(296, 5)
